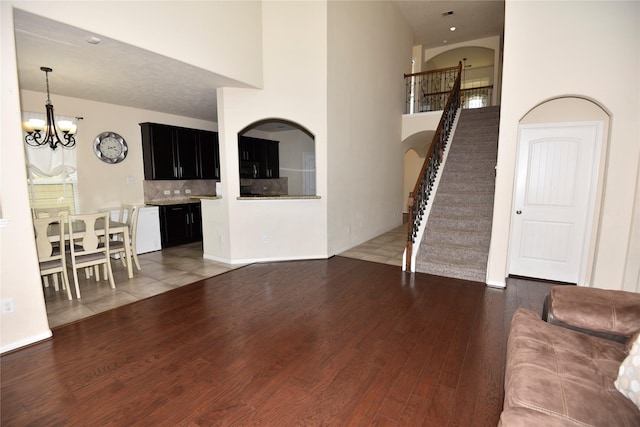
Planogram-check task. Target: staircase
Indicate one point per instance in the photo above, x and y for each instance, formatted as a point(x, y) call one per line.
point(458, 232)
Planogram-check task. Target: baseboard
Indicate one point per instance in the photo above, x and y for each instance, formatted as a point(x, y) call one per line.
point(271, 259)
point(27, 341)
point(496, 284)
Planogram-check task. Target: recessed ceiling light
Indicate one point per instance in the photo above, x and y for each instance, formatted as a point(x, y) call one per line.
point(452, 28)
point(93, 40)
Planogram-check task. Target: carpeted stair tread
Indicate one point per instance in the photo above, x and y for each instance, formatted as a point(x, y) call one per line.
point(458, 232)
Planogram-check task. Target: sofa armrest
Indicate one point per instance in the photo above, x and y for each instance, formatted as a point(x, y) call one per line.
point(605, 313)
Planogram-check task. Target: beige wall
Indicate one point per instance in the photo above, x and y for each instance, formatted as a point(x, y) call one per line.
point(370, 48)
point(19, 274)
point(295, 55)
point(552, 64)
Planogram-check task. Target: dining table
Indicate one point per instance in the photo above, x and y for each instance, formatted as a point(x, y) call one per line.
point(115, 227)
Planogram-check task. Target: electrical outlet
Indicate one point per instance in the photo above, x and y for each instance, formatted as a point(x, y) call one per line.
point(176, 191)
point(7, 306)
point(167, 192)
point(130, 180)
point(187, 191)
point(265, 239)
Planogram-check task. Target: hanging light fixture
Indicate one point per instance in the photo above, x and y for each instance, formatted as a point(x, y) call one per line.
point(41, 132)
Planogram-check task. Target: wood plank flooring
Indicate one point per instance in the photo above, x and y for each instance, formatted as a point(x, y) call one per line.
point(318, 343)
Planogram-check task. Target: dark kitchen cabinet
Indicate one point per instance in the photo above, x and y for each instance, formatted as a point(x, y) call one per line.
point(172, 152)
point(180, 224)
point(271, 160)
point(210, 155)
point(259, 158)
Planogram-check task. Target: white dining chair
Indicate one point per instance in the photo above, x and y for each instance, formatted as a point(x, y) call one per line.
point(50, 258)
point(48, 212)
point(87, 248)
point(128, 215)
point(51, 212)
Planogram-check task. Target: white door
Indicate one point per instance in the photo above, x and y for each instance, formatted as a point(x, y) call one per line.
point(556, 181)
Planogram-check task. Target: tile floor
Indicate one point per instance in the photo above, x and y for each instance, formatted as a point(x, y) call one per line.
point(385, 249)
point(161, 271)
point(179, 266)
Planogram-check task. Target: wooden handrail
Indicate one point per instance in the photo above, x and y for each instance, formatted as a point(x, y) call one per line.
point(419, 197)
point(439, 70)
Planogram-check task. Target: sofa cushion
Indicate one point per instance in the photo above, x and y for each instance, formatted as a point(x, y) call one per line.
point(628, 381)
point(564, 375)
point(632, 339)
point(601, 310)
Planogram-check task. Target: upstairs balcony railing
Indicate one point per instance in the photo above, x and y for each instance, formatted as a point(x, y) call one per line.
point(429, 91)
point(423, 188)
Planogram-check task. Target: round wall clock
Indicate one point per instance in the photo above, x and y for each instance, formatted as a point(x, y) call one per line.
point(110, 147)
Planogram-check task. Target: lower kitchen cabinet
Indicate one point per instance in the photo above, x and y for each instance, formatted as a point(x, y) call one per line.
point(180, 224)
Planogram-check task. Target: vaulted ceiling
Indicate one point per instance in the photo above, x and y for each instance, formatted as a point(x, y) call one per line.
point(117, 73)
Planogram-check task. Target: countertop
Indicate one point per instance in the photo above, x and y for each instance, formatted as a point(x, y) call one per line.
point(183, 200)
point(278, 197)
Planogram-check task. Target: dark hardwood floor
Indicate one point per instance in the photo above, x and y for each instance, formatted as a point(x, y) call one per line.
point(317, 343)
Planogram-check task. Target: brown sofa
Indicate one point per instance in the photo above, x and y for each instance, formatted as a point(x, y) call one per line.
point(562, 376)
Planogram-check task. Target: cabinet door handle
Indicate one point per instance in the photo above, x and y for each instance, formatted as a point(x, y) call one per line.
point(180, 170)
point(191, 217)
point(175, 171)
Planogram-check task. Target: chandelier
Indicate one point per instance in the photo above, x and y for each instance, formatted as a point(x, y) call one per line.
point(41, 133)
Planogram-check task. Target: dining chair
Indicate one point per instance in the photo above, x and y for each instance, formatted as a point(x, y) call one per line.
point(50, 258)
point(128, 215)
point(51, 212)
point(87, 249)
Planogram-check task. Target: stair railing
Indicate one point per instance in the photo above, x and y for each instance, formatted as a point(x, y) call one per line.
point(421, 193)
point(429, 90)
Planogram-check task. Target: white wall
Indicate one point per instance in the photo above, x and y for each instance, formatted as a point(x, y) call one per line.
point(370, 48)
point(19, 273)
point(292, 146)
point(219, 36)
point(590, 50)
point(295, 55)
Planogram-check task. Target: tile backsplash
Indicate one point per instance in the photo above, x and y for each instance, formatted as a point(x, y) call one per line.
point(265, 187)
point(155, 190)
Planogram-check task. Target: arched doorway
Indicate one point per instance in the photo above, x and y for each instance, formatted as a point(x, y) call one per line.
point(557, 191)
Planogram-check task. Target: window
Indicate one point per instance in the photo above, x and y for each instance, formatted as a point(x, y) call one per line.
point(51, 174)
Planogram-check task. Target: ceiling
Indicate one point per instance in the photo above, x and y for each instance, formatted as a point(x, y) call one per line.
point(121, 74)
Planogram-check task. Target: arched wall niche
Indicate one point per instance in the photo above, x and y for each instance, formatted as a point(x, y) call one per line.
point(283, 167)
point(572, 109)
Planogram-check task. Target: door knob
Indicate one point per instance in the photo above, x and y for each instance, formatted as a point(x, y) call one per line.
point(518, 212)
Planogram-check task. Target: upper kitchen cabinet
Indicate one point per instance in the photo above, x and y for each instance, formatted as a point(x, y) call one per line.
point(172, 152)
point(210, 155)
point(259, 158)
